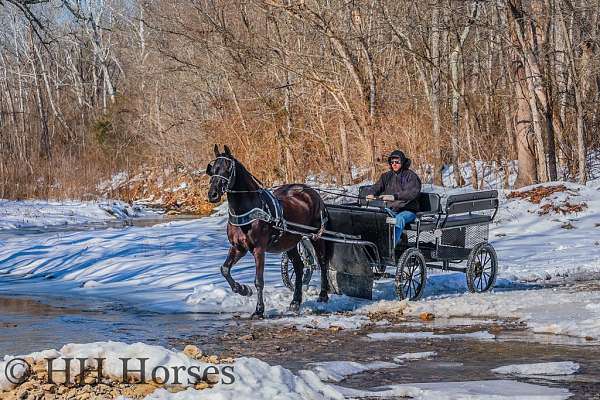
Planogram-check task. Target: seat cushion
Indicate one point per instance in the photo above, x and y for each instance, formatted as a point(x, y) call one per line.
point(427, 224)
point(472, 219)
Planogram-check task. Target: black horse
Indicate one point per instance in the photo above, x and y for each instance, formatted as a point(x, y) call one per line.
point(298, 203)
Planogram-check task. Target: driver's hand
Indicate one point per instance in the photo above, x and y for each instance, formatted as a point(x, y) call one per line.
point(370, 197)
point(387, 197)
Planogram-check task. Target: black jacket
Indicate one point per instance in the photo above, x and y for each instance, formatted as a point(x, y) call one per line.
point(405, 185)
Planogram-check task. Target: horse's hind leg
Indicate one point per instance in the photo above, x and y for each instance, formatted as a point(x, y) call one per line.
point(294, 257)
point(234, 256)
point(322, 248)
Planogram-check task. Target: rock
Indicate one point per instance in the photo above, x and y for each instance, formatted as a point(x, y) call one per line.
point(213, 378)
point(247, 337)
point(426, 316)
point(62, 390)
point(141, 390)
point(192, 351)
point(89, 380)
point(39, 366)
point(176, 388)
point(212, 359)
point(201, 386)
point(49, 388)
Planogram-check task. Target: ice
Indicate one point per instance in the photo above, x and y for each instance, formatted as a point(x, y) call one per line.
point(482, 335)
point(469, 390)
point(424, 355)
point(336, 371)
point(536, 369)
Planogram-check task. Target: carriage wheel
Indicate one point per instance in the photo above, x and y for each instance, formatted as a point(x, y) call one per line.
point(411, 275)
point(309, 259)
point(482, 267)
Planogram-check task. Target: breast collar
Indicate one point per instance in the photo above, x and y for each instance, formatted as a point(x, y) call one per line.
point(270, 211)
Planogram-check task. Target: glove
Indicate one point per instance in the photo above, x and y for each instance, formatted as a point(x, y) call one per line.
point(387, 197)
point(370, 197)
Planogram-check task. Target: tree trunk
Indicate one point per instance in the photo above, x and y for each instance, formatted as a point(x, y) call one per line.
point(435, 92)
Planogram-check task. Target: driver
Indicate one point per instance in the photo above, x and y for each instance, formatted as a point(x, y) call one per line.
point(400, 187)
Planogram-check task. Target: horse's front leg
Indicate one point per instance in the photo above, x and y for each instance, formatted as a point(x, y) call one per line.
point(259, 281)
point(234, 256)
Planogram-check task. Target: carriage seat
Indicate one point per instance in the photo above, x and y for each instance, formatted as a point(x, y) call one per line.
point(468, 219)
point(429, 210)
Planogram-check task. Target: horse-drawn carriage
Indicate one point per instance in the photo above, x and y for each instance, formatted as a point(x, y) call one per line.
point(363, 244)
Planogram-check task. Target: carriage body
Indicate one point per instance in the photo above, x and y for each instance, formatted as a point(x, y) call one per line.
point(441, 237)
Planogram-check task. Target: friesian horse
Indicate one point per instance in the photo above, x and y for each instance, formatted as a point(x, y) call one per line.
point(255, 231)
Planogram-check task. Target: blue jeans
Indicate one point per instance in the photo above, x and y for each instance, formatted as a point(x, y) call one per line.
point(402, 218)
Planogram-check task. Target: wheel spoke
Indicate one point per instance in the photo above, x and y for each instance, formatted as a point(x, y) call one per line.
point(487, 259)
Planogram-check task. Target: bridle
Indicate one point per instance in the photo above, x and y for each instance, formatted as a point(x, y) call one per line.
point(230, 180)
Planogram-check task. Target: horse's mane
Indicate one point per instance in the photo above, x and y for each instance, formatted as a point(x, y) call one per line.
point(245, 170)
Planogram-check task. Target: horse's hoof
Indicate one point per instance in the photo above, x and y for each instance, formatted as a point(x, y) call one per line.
point(246, 291)
point(295, 306)
point(323, 298)
point(257, 315)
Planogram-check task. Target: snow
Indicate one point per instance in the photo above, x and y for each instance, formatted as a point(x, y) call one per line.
point(481, 335)
point(175, 266)
point(468, 390)
point(336, 371)
point(423, 355)
point(253, 378)
point(552, 311)
point(38, 213)
point(549, 368)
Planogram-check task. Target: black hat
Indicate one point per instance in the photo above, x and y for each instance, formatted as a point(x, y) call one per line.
point(397, 154)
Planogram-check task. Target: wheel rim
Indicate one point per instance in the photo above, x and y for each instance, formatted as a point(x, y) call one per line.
point(483, 270)
point(412, 277)
point(287, 267)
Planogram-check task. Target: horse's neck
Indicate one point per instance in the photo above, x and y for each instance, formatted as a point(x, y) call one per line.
point(244, 195)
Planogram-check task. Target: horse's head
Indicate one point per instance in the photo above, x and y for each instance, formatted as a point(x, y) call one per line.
point(222, 174)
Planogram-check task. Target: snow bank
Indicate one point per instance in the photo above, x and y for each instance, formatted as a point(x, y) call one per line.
point(336, 371)
point(38, 214)
point(549, 368)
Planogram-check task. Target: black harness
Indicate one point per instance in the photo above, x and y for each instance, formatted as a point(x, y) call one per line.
point(270, 210)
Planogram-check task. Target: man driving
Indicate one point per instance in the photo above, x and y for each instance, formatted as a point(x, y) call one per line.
point(399, 188)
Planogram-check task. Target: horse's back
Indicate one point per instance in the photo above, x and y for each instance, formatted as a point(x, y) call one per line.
point(300, 202)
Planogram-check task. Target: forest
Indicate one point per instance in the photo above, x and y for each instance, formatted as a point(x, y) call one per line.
point(297, 88)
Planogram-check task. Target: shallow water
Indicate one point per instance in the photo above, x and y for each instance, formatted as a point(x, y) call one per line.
point(91, 226)
point(32, 323)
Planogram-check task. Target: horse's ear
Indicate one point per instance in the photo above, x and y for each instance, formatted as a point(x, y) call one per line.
point(227, 151)
point(209, 169)
point(216, 149)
